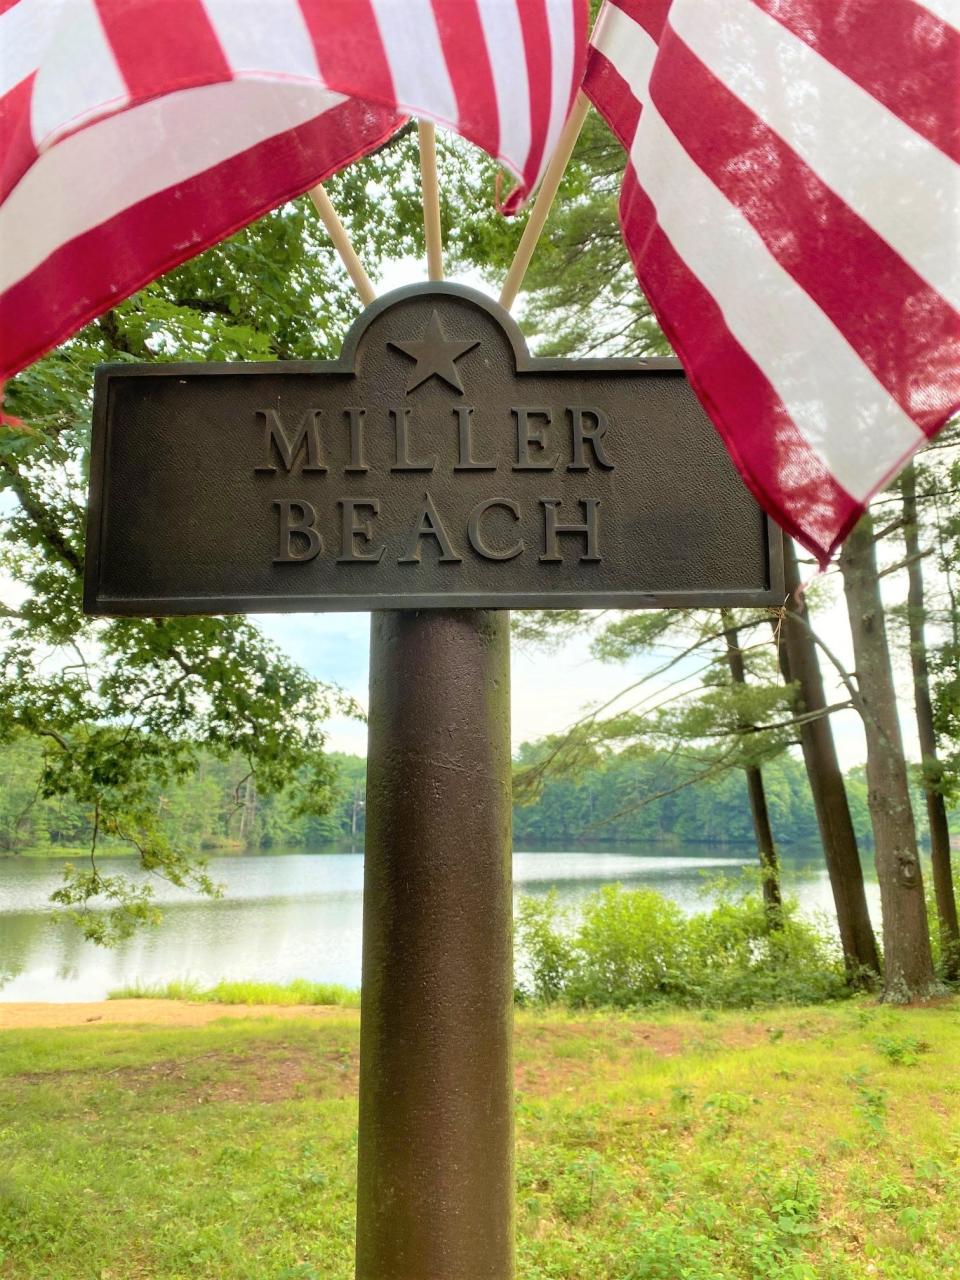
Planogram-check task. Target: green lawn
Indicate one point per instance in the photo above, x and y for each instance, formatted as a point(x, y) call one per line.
point(789, 1144)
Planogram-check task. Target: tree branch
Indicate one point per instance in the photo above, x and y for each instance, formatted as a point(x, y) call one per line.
point(52, 733)
point(906, 562)
point(51, 535)
point(847, 680)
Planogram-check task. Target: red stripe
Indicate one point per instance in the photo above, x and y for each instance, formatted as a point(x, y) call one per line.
point(613, 98)
point(163, 45)
point(98, 269)
point(7, 4)
point(468, 62)
point(786, 476)
point(581, 12)
point(899, 326)
point(349, 49)
point(17, 149)
point(650, 14)
point(538, 54)
point(898, 51)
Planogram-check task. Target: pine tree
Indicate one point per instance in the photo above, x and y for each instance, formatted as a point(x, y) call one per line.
point(907, 956)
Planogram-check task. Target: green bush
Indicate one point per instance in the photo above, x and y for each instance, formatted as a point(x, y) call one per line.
point(628, 948)
point(941, 961)
point(627, 943)
point(549, 952)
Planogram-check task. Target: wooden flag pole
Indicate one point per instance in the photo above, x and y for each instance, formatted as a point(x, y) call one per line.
point(431, 199)
point(341, 242)
point(541, 210)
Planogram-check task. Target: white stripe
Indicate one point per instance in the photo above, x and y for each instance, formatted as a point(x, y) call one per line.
point(264, 39)
point(905, 188)
point(626, 44)
point(137, 153)
point(560, 21)
point(411, 42)
point(508, 64)
point(842, 411)
point(947, 10)
point(24, 34)
point(845, 415)
point(78, 77)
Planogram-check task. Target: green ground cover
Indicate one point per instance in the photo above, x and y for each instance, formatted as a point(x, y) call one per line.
point(300, 991)
point(790, 1144)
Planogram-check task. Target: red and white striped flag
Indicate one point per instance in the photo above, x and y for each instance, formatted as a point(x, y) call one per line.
point(791, 204)
point(135, 133)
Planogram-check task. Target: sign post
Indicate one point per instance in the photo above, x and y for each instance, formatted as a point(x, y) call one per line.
point(435, 1187)
point(438, 475)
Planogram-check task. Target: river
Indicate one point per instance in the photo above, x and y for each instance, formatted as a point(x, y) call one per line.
point(298, 915)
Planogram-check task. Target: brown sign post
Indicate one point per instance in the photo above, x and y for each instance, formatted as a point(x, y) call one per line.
point(438, 475)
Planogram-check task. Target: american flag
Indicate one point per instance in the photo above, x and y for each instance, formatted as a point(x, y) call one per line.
point(135, 133)
point(791, 204)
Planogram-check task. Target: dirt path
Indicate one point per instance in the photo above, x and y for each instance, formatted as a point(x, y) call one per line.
point(157, 1013)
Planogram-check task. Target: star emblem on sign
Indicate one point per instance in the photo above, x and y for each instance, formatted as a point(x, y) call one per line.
point(435, 354)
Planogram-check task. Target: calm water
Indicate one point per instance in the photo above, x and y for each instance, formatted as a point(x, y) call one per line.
point(298, 915)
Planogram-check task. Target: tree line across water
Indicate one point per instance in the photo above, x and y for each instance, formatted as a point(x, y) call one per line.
point(618, 800)
point(215, 808)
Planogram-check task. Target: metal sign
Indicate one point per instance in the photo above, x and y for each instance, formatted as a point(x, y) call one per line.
point(436, 464)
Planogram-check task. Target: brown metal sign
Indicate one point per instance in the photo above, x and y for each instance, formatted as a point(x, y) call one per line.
point(435, 464)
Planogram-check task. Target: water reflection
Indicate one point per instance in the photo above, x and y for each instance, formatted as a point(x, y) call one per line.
point(299, 916)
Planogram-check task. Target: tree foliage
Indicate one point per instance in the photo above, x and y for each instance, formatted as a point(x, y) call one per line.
point(685, 705)
point(129, 708)
point(658, 797)
point(634, 948)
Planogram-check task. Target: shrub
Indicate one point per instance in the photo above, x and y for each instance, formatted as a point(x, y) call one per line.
point(634, 947)
point(627, 943)
point(540, 926)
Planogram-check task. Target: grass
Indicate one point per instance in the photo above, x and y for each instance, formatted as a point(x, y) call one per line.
point(793, 1144)
point(297, 992)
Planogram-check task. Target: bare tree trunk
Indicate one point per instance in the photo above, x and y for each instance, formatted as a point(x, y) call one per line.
point(769, 862)
point(908, 963)
point(932, 769)
point(799, 662)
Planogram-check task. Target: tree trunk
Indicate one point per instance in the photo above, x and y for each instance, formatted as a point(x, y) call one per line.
point(932, 768)
point(769, 862)
point(908, 963)
point(248, 813)
point(797, 652)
